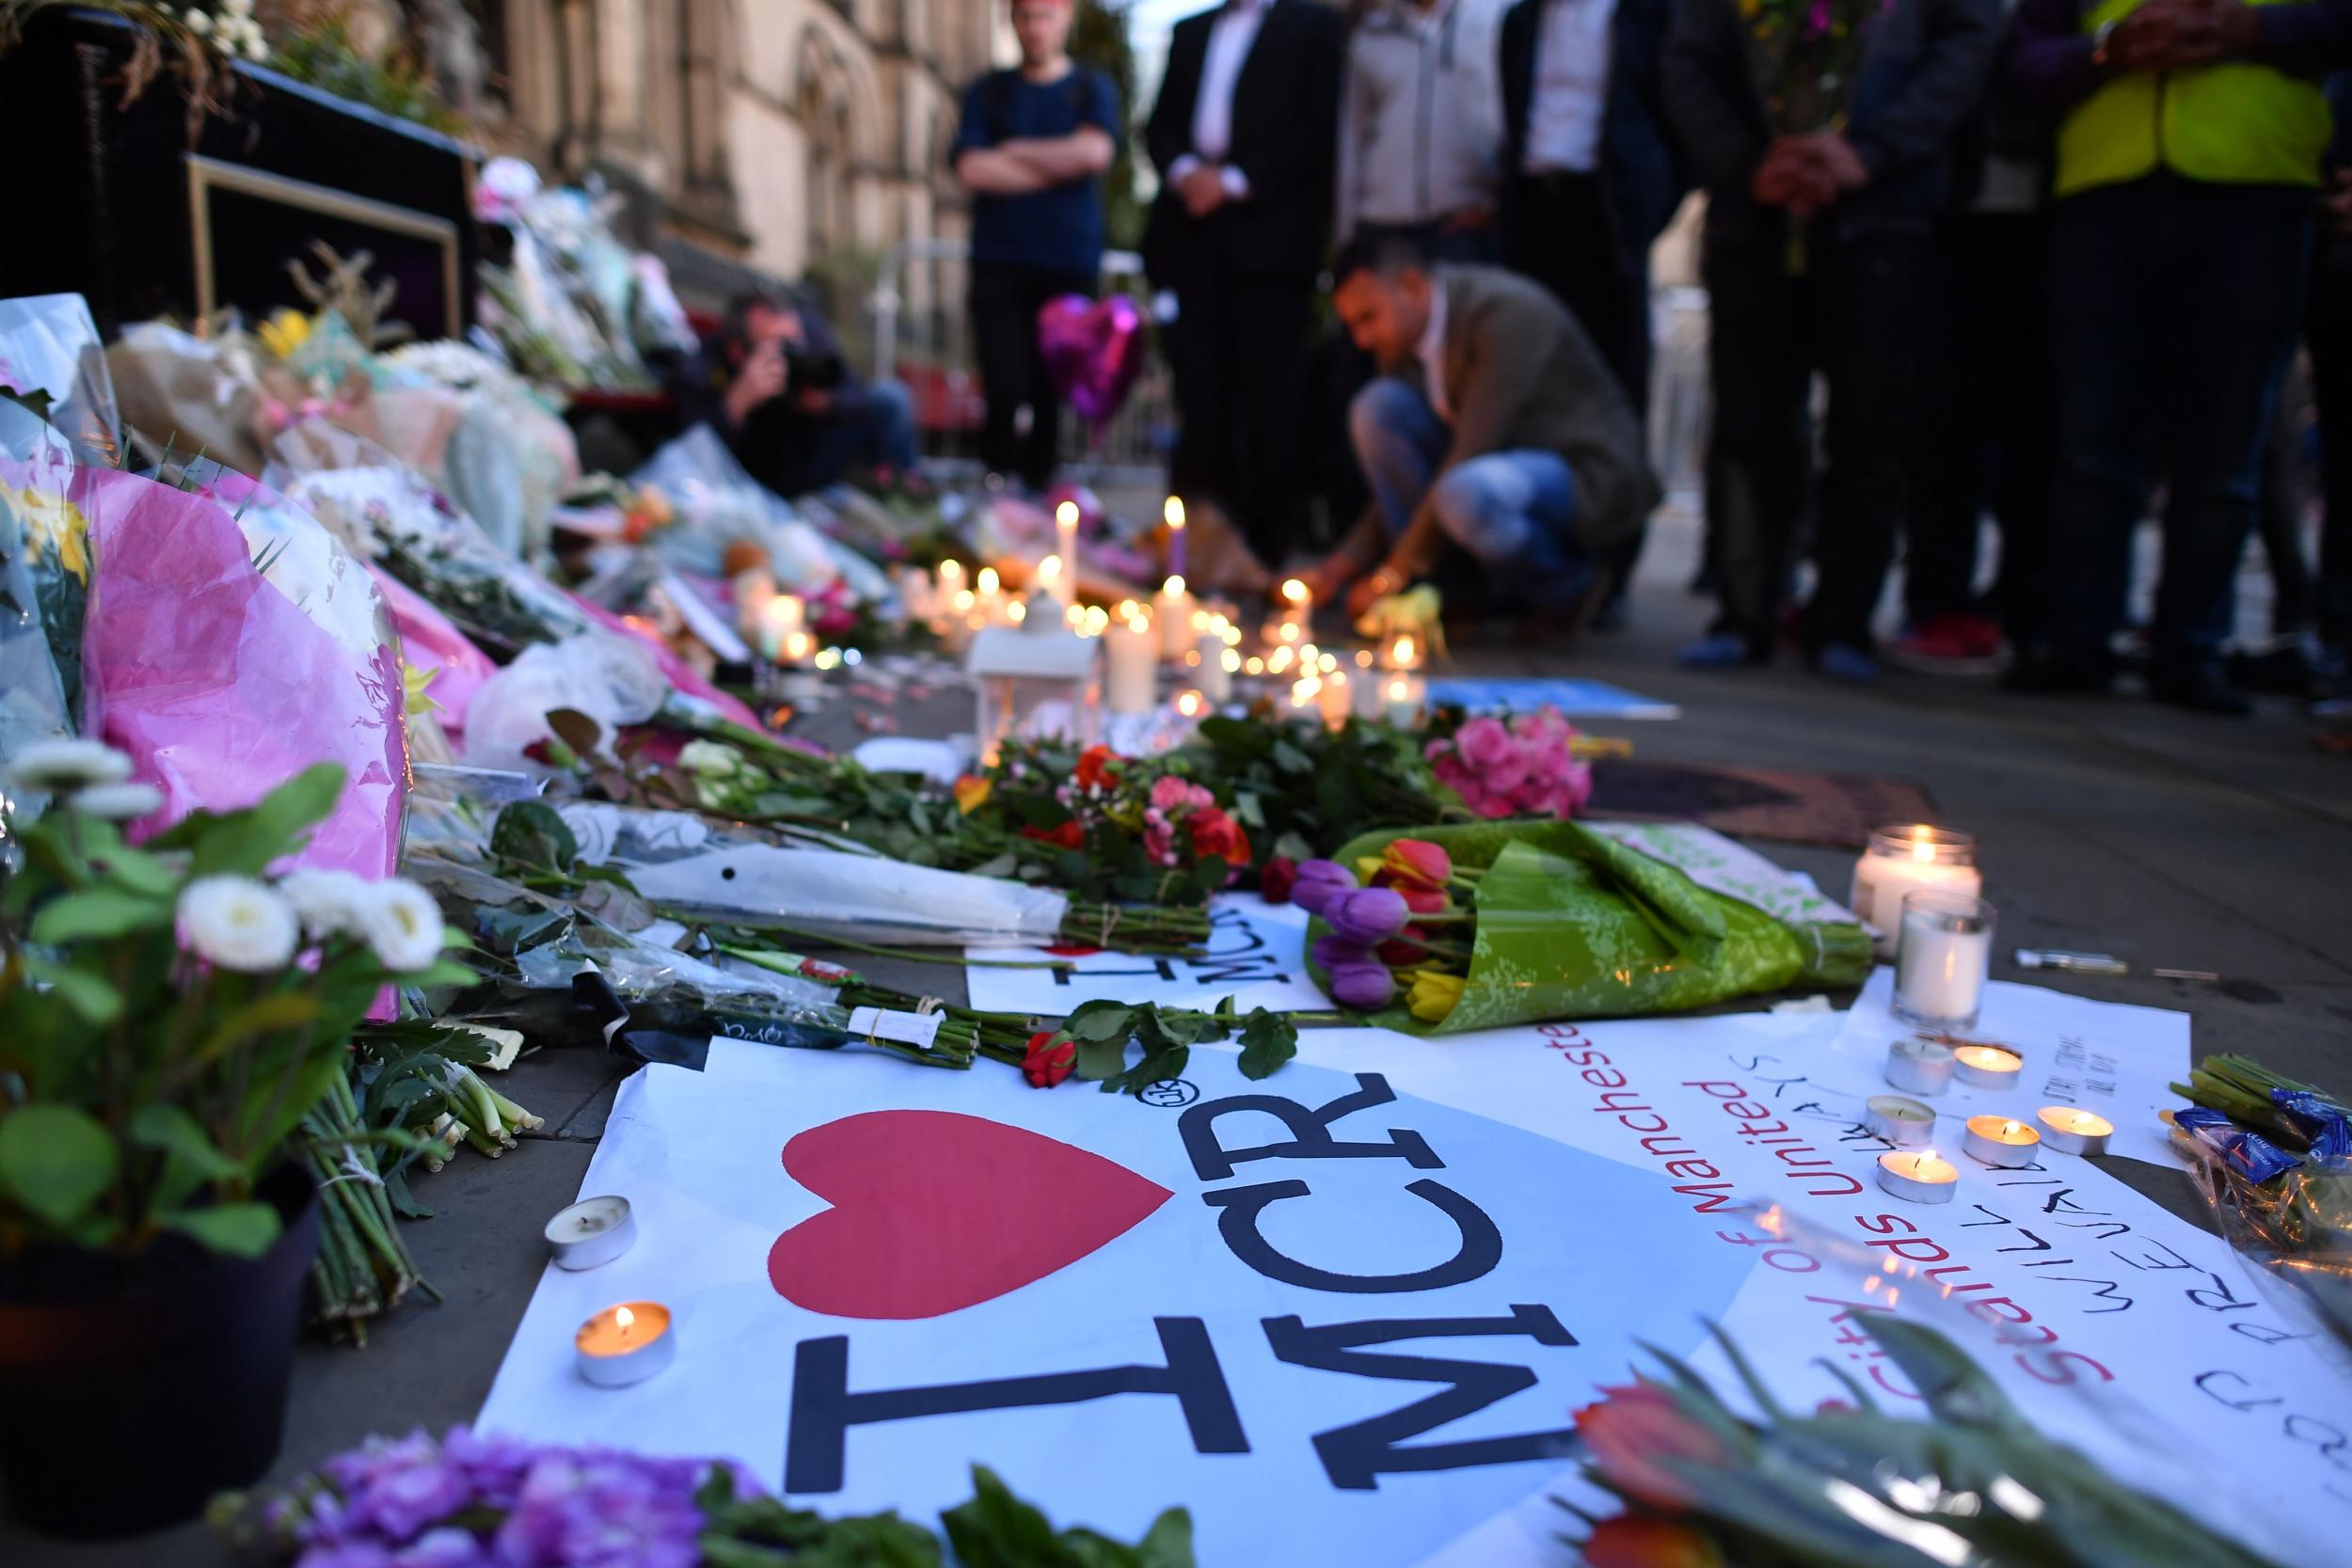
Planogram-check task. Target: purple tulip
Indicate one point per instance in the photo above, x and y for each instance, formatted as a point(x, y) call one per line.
point(1331, 952)
point(1364, 987)
point(1319, 883)
point(1367, 914)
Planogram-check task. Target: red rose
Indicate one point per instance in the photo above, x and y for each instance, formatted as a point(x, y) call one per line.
point(1275, 882)
point(1048, 1063)
point(1069, 836)
point(1094, 767)
point(1216, 834)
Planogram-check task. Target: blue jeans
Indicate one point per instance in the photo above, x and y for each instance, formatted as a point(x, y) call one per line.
point(2175, 306)
point(869, 426)
point(1510, 511)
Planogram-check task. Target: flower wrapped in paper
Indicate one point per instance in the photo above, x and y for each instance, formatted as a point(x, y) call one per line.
point(1528, 921)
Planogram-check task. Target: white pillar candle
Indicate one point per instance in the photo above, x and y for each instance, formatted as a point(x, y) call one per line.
point(1052, 581)
point(1215, 675)
point(1133, 683)
point(1904, 1124)
point(1402, 698)
point(2002, 1142)
point(1367, 695)
point(1066, 536)
point(1172, 613)
point(950, 580)
point(1988, 1066)
point(1174, 515)
point(1919, 1067)
point(1906, 858)
point(1918, 1177)
point(2070, 1130)
point(625, 1344)
point(1943, 959)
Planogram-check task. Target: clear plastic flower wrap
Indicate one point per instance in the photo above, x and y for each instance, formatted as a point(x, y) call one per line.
point(50, 350)
point(44, 572)
point(716, 504)
point(453, 668)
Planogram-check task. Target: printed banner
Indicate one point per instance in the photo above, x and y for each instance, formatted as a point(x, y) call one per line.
point(1342, 1315)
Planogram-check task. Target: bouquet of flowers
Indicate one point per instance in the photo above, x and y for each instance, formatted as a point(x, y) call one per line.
point(1806, 54)
point(1527, 766)
point(475, 1499)
point(1494, 923)
point(1851, 1487)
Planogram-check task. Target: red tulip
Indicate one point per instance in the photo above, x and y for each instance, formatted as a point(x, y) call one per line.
point(1632, 1430)
point(1048, 1063)
point(1637, 1541)
point(1405, 949)
point(1276, 878)
point(1424, 900)
point(1416, 863)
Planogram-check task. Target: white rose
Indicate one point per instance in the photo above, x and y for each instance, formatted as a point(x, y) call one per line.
point(117, 802)
point(403, 924)
point(708, 757)
point(256, 46)
point(58, 765)
point(238, 8)
point(198, 22)
point(328, 901)
point(237, 922)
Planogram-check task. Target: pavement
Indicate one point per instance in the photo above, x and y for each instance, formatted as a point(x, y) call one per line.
point(2113, 825)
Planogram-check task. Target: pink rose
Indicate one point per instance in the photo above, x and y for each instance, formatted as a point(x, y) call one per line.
point(1167, 792)
point(1507, 772)
point(1159, 843)
point(1482, 743)
point(1450, 771)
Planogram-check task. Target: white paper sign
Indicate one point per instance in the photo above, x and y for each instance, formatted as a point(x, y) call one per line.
point(1256, 954)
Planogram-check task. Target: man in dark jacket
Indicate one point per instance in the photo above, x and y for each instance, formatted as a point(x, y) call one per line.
point(779, 391)
point(1589, 176)
point(1815, 255)
point(1495, 429)
point(1243, 136)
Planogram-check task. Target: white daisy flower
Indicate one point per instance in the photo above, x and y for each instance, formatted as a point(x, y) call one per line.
point(117, 802)
point(238, 923)
point(403, 924)
point(58, 765)
point(327, 901)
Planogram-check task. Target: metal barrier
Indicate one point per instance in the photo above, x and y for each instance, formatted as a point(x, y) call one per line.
point(923, 337)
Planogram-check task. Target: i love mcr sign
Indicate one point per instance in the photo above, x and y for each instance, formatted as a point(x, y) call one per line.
point(1338, 1320)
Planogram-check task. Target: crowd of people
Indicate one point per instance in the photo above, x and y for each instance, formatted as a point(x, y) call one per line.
point(2051, 260)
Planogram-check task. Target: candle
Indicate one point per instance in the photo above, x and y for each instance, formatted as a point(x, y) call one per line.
point(591, 1233)
point(1253, 665)
point(1174, 513)
point(950, 580)
point(1050, 580)
point(626, 1344)
point(2002, 1142)
point(2072, 1131)
point(1988, 1066)
point(1405, 695)
point(1190, 705)
point(1333, 698)
point(1904, 859)
point(1299, 601)
point(1918, 1177)
point(1135, 665)
point(1367, 699)
point(1404, 654)
point(796, 646)
point(1172, 613)
point(1904, 1124)
point(1216, 675)
point(1945, 955)
point(1305, 693)
point(1066, 536)
point(1919, 1066)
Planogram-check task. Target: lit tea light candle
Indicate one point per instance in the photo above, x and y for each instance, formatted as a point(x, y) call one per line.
point(950, 580)
point(1298, 601)
point(1909, 858)
point(1404, 694)
point(1944, 960)
point(1172, 613)
point(591, 1234)
point(1133, 683)
point(1922, 1176)
point(2070, 1130)
point(2002, 1141)
point(1919, 1067)
point(1987, 1066)
point(798, 645)
point(1253, 665)
point(1904, 1124)
point(1190, 705)
point(1404, 654)
point(626, 1344)
point(779, 618)
point(1363, 659)
point(1174, 515)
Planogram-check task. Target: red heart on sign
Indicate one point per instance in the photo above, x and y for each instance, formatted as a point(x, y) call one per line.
point(934, 1211)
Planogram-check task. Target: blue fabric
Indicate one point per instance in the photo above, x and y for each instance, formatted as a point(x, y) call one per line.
point(1510, 511)
point(1059, 228)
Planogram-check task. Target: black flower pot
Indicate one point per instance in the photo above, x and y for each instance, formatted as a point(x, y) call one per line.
point(124, 1412)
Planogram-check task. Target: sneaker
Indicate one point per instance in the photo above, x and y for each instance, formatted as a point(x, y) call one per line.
point(1849, 662)
point(1953, 643)
point(1721, 650)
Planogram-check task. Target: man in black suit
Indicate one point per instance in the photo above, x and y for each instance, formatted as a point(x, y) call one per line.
point(1244, 138)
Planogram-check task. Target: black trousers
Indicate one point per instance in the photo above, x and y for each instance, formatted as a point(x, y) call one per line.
point(1560, 235)
point(1987, 423)
point(2327, 332)
point(1004, 303)
point(1851, 310)
point(1239, 352)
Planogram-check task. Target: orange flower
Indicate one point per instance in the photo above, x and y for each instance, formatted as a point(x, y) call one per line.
point(1094, 767)
point(1630, 1431)
point(1636, 1541)
point(972, 793)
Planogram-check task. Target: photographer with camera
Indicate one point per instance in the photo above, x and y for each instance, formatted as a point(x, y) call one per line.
point(781, 394)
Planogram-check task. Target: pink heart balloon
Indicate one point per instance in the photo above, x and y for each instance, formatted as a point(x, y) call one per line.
point(1093, 352)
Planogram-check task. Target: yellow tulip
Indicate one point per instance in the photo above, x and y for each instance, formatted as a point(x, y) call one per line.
point(284, 332)
point(1434, 995)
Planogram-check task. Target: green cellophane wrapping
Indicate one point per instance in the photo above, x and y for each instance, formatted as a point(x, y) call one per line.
point(1573, 925)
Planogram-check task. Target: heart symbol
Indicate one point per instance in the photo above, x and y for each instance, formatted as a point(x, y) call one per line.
point(934, 1211)
point(1093, 352)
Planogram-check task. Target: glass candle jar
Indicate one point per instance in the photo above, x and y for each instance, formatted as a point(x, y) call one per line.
point(1910, 858)
point(1947, 954)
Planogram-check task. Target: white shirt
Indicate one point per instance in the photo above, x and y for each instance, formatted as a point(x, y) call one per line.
point(1433, 353)
point(1571, 89)
point(1231, 38)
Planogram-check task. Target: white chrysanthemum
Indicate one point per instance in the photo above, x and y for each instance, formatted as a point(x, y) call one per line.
point(238, 8)
point(198, 21)
point(256, 46)
point(708, 757)
point(119, 803)
point(403, 924)
point(237, 922)
point(328, 901)
point(61, 765)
